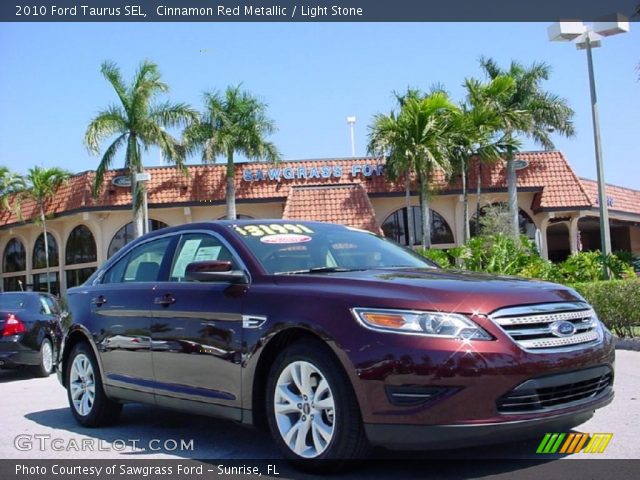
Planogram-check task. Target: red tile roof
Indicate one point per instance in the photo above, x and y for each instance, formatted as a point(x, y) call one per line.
point(345, 204)
point(620, 198)
point(548, 173)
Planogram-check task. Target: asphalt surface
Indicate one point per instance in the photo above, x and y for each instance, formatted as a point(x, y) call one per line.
point(36, 423)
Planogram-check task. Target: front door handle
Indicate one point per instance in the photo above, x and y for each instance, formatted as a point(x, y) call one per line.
point(165, 300)
point(99, 301)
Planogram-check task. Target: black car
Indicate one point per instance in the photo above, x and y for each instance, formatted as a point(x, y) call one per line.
point(30, 331)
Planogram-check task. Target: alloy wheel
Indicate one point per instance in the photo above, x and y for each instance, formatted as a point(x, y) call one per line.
point(46, 353)
point(82, 384)
point(304, 409)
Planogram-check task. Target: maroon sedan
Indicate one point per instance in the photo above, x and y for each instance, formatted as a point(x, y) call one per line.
point(333, 338)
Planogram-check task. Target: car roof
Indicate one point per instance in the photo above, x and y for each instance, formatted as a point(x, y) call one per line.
point(227, 223)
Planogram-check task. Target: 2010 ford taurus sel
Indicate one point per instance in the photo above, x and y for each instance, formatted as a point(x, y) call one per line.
point(333, 338)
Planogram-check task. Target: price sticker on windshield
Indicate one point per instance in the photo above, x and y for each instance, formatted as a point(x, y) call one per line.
point(285, 238)
point(262, 229)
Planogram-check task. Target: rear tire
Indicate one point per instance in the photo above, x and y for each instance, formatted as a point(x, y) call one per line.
point(89, 404)
point(45, 367)
point(312, 411)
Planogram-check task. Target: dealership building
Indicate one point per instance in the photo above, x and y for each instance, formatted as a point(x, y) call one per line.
point(556, 206)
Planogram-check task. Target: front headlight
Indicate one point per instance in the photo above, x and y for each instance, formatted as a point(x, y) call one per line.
point(432, 324)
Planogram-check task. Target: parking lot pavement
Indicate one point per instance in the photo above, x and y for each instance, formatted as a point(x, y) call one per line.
point(37, 423)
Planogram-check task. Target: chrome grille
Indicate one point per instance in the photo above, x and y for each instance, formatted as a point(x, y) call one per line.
point(535, 327)
point(557, 391)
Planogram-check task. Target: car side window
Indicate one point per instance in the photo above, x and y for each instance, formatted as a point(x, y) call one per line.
point(45, 308)
point(142, 264)
point(52, 305)
point(197, 247)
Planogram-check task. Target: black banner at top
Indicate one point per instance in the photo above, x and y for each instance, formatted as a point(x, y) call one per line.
point(314, 10)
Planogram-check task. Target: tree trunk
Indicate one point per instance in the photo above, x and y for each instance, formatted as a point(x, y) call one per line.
point(46, 246)
point(231, 188)
point(138, 215)
point(137, 190)
point(407, 190)
point(512, 188)
point(424, 211)
point(465, 203)
point(478, 195)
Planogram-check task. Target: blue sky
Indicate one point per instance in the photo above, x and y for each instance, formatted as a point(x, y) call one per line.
point(312, 76)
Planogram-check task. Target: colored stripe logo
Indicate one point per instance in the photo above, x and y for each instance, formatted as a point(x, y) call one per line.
point(567, 444)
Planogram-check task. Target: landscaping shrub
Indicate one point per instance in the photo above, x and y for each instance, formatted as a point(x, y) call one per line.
point(441, 257)
point(617, 303)
point(501, 254)
point(588, 267)
point(498, 254)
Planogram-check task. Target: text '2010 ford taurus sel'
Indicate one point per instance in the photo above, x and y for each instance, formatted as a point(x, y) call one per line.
point(333, 338)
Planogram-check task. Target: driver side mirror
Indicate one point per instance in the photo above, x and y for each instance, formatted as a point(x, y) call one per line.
point(215, 271)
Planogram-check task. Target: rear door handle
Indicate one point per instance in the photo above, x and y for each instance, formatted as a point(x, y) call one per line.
point(99, 301)
point(165, 300)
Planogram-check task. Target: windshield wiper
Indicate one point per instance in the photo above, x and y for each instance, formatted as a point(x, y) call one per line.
point(322, 270)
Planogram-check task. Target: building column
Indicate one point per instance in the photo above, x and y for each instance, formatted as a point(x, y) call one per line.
point(573, 233)
point(458, 220)
point(102, 244)
point(544, 244)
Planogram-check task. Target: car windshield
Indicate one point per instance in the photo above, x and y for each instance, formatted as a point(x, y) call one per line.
point(290, 248)
point(13, 301)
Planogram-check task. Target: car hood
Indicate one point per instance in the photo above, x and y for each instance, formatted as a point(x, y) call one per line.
point(459, 291)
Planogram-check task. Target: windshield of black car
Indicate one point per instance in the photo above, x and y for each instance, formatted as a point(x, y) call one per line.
point(13, 301)
point(318, 248)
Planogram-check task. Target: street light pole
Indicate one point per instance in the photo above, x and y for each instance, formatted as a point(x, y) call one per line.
point(352, 122)
point(605, 233)
point(144, 177)
point(588, 37)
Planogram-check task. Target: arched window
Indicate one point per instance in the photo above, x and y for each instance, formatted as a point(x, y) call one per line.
point(81, 246)
point(396, 227)
point(15, 257)
point(494, 218)
point(14, 262)
point(125, 235)
point(39, 260)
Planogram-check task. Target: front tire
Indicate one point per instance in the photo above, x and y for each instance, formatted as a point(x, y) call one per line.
point(312, 411)
point(45, 367)
point(89, 404)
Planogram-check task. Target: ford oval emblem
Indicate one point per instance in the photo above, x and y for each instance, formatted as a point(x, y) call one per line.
point(562, 328)
point(121, 181)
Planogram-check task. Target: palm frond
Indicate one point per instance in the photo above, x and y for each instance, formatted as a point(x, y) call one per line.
point(108, 122)
point(172, 115)
point(112, 73)
point(105, 163)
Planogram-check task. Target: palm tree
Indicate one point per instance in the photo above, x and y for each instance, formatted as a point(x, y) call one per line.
point(138, 123)
point(416, 140)
point(529, 111)
point(42, 185)
point(232, 123)
point(11, 184)
point(385, 136)
point(477, 135)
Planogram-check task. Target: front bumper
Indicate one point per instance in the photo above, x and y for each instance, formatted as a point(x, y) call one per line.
point(468, 380)
point(434, 437)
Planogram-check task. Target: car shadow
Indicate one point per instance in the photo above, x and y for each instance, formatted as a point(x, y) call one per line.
point(222, 439)
point(154, 431)
point(15, 374)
